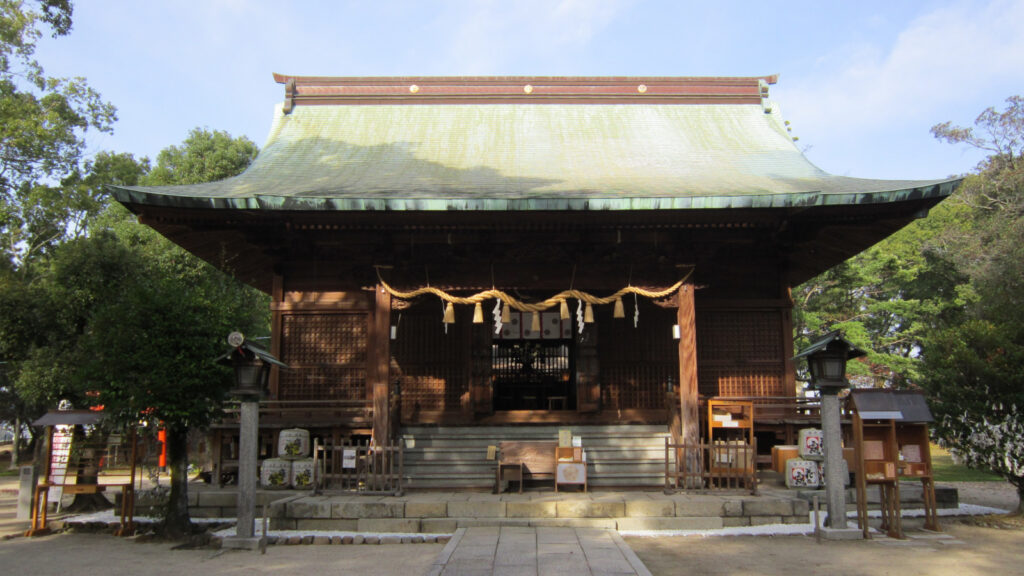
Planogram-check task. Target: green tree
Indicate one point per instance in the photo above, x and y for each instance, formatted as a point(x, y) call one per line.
point(149, 350)
point(43, 121)
point(47, 301)
point(973, 369)
point(149, 346)
point(887, 299)
point(204, 156)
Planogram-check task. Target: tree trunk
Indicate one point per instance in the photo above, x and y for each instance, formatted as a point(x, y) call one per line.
point(1020, 496)
point(177, 523)
point(16, 445)
point(87, 471)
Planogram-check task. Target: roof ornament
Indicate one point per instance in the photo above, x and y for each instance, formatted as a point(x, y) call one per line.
point(289, 96)
point(766, 104)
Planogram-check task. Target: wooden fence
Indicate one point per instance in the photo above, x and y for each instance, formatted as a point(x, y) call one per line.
point(351, 466)
point(719, 466)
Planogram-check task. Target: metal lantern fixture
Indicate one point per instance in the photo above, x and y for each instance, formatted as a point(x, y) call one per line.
point(826, 360)
point(252, 366)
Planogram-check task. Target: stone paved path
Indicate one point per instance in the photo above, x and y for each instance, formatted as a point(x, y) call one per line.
point(540, 551)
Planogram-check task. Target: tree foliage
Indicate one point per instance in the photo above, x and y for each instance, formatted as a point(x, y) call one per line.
point(973, 370)
point(43, 122)
point(940, 304)
point(204, 156)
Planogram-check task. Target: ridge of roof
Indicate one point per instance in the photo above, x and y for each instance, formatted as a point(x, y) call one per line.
point(327, 90)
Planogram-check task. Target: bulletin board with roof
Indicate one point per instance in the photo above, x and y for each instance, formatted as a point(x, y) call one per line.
point(84, 464)
point(890, 430)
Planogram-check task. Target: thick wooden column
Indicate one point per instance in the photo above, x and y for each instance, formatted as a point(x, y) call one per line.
point(689, 400)
point(789, 369)
point(480, 390)
point(379, 357)
point(588, 372)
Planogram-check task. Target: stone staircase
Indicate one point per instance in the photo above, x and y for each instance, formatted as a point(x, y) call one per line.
point(618, 456)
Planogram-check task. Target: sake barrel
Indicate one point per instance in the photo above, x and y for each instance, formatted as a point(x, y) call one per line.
point(811, 445)
point(302, 474)
point(801, 473)
point(276, 473)
point(293, 444)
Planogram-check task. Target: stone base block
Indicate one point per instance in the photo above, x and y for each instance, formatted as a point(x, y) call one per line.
point(670, 523)
point(602, 523)
point(650, 508)
point(476, 509)
point(530, 510)
point(588, 509)
point(426, 509)
point(340, 524)
point(365, 510)
point(842, 533)
point(388, 525)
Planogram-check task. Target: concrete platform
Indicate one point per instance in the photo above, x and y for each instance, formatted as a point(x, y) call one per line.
point(527, 551)
point(446, 512)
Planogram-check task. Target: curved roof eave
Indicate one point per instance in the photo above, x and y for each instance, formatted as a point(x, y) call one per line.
point(920, 190)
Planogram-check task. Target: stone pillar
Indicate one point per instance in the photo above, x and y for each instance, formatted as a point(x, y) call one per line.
point(27, 480)
point(835, 490)
point(247, 474)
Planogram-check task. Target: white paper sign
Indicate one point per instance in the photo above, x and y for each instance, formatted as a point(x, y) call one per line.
point(348, 458)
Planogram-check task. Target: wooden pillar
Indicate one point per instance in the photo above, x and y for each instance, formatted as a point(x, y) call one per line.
point(481, 392)
point(789, 369)
point(588, 371)
point(276, 329)
point(689, 400)
point(379, 358)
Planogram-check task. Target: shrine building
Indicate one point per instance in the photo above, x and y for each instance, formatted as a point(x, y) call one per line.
point(500, 255)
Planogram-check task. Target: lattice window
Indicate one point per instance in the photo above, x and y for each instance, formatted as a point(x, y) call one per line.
point(750, 381)
point(637, 362)
point(327, 354)
point(749, 336)
point(740, 353)
point(434, 365)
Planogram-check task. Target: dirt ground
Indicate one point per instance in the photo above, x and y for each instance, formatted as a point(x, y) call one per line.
point(962, 550)
point(971, 551)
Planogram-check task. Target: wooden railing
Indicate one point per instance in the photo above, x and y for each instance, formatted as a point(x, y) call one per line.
point(359, 467)
point(719, 466)
point(306, 413)
point(780, 407)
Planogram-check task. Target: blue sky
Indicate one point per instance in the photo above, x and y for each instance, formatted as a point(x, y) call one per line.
point(861, 81)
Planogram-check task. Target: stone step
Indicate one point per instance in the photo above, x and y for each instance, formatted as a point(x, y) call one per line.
point(538, 429)
point(482, 442)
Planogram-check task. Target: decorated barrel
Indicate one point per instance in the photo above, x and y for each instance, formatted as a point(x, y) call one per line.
point(293, 444)
point(802, 473)
point(276, 473)
point(302, 474)
point(812, 446)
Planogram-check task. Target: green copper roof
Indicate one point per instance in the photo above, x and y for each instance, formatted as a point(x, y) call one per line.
point(558, 156)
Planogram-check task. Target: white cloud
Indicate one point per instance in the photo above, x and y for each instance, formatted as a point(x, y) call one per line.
point(489, 37)
point(950, 55)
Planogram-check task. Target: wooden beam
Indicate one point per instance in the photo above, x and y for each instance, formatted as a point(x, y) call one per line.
point(379, 356)
point(689, 399)
point(276, 333)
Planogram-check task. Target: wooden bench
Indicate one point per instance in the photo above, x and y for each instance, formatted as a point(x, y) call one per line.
point(518, 460)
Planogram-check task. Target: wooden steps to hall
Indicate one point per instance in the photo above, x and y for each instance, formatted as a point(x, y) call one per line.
point(456, 457)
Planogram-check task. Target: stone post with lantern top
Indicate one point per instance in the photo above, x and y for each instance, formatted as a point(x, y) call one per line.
point(252, 372)
point(826, 361)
